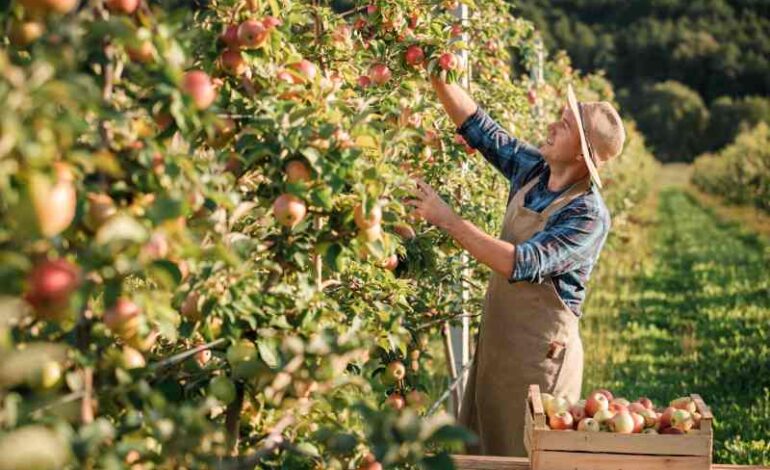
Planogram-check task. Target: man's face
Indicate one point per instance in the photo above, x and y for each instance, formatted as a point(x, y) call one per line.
point(562, 144)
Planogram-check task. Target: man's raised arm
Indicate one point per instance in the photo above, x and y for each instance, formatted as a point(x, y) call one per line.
point(456, 101)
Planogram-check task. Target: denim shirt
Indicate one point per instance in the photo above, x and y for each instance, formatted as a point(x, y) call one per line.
point(568, 247)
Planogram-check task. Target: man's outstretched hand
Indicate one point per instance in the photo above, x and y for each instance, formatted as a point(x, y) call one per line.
point(429, 206)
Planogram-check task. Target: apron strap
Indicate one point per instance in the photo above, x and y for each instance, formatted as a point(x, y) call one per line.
point(518, 197)
point(567, 196)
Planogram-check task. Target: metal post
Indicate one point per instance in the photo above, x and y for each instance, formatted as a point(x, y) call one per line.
point(460, 335)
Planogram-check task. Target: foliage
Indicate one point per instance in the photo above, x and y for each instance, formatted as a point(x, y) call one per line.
point(673, 119)
point(159, 308)
point(729, 117)
point(741, 171)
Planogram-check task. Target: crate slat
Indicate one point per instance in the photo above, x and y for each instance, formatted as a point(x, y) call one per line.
point(653, 444)
point(485, 462)
point(555, 460)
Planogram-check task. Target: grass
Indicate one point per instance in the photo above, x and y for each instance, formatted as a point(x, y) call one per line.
point(684, 306)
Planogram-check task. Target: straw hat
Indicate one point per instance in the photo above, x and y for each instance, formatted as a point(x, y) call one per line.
point(601, 132)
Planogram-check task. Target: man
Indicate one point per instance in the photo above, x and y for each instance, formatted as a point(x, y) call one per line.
point(554, 228)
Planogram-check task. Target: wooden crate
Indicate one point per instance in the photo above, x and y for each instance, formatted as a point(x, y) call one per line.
point(578, 450)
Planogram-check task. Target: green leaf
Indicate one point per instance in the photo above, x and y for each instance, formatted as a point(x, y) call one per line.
point(166, 272)
point(268, 353)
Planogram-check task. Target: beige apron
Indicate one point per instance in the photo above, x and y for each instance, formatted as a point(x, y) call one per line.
point(528, 335)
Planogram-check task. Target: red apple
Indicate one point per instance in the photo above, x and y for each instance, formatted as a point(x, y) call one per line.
point(143, 53)
point(682, 419)
point(125, 7)
point(50, 285)
point(369, 462)
point(306, 69)
point(578, 412)
point(54, 204)
point(123, 318)
point(289, 210)
point(379, 73)
point(448, 61)
point(371, 9)
point(636, 407)
point(561, 420)
point(646, 402)
point(617, 406)
point(270, 22)
point(370, 220)
point(684, 403)
point(364, 81)
point(456, 30)
point(605, 392)
point(414, 55)
point(230, 37)
point(390, 263)
point(232, 62)
point(595, 403)
point(25, 32)
point(622, 423)
point(203, 357)
point(638, 422)
point(396, 401)
point(197, 84)
point(252, 33)
point(620, 401)
point(532, 96)
point(665, 418)
point(296, 171)
point(588, 425)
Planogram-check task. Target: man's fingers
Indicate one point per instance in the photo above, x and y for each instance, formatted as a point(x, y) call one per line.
point(414, 202)
point(425, 187)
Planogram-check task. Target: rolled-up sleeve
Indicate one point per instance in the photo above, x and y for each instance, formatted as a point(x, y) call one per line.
point(508, 154)
point(573, 238)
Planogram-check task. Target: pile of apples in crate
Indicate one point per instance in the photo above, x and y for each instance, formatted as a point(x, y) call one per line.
point(603, 412)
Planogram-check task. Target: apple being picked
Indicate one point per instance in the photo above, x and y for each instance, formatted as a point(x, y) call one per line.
point(588, 425)
point(448, 61)
point(596, 402)
point(561, 420)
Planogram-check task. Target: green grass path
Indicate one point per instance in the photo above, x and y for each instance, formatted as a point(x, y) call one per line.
point(690, 315)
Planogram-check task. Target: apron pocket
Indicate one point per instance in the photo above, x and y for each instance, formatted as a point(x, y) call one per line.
point(552, 363)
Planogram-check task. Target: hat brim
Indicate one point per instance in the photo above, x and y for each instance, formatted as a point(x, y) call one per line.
point(573, 105)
